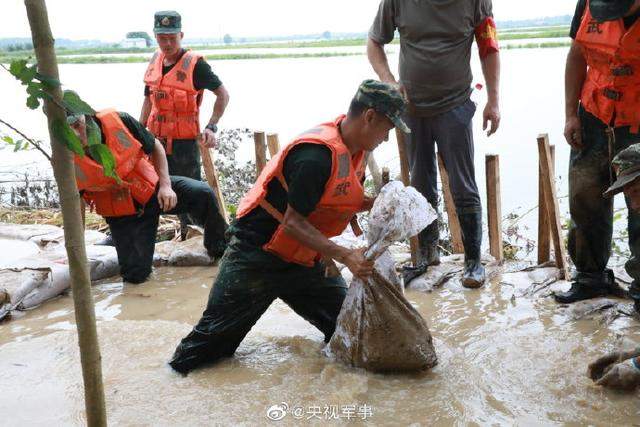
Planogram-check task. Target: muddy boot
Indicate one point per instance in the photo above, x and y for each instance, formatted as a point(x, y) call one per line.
point(474, 275)
point(428, 253)
point(590, 285)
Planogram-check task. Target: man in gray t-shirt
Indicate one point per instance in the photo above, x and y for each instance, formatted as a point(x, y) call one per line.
point(435, 75)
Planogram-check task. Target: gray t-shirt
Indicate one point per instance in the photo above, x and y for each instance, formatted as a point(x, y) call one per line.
point(435, 48)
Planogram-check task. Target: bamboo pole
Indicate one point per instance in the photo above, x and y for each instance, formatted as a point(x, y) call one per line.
point(544, 227)
point(404, 171)
point(261, 151)
point(273, 143)
point(212, 178)
point(454, 223)
point(551, 201)
point(494, 208)
point(62, 162)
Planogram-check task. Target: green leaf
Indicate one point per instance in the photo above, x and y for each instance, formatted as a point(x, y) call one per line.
point(94, 136)
point(74, 104)
point(101, 154)
point(28, 74)
point(8, 139)
point(32, 102)
point(34, 88)
point(18, 146)
point(17, 67)
point(63, 133)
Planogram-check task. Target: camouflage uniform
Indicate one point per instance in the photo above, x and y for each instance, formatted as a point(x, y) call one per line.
point(591, 228)
point(627, 165)
point(250, 279)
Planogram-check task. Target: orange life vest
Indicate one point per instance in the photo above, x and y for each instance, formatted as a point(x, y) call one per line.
point(139, 177)
point(175, 102)
point(611, 91)
point(342, 198)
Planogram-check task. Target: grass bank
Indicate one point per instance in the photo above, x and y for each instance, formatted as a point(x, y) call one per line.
point(542, 45)
point(509, 34)
point(90, 55)
point(216, 57)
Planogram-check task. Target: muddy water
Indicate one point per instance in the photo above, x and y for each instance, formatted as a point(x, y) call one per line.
point(503, 360)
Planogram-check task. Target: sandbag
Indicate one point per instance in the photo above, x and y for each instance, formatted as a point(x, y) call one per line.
point(43, 273)
point(377, 328)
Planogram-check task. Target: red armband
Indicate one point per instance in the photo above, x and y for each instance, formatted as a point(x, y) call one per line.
point(487, 37)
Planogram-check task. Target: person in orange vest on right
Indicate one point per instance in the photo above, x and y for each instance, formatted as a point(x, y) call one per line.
point(602, 102)
point(310, 191)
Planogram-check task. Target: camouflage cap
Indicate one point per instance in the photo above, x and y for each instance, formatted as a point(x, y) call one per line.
point(627, 164)
point(385, 99)
point(167, 22)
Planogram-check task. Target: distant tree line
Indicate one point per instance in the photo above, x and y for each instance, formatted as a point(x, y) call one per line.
point(18, 47)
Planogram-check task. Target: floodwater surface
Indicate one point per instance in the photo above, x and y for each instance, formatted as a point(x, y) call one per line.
point(502, 360)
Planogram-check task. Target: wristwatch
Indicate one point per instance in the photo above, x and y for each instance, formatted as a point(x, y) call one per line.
point(212, 127)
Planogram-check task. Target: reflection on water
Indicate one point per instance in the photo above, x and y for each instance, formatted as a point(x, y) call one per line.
point(502, 360)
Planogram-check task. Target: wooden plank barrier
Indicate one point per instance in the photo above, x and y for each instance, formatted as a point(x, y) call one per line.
point(261, 151)
point(551, 203)
point(454, 223)
point(404, 171)
point(544, 227)
point(494, 208)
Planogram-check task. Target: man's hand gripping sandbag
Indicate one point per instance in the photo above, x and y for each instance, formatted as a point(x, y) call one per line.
point(378, 329)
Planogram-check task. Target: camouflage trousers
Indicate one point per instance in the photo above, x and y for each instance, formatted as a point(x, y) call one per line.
point(248, 281)
point(591, 227)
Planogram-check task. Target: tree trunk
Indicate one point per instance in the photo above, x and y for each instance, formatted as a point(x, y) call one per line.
point(63, 170)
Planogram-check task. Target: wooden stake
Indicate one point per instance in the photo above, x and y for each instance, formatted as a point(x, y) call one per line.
point(544, 227)
point(385, 176)
point(273, 143)
point(450, 207)
point(261, 151)
point(551, 201)
point(494, 209)
point(376, 175)
point(404, 171)
point(212, 178)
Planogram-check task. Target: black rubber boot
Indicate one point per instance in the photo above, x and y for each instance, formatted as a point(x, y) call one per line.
point(471, 224)
point(590, 286)
point(428, 253)
point(428, 240)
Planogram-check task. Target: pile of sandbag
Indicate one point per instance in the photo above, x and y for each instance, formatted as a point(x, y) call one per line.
point(378, 329)
point(42, 273)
